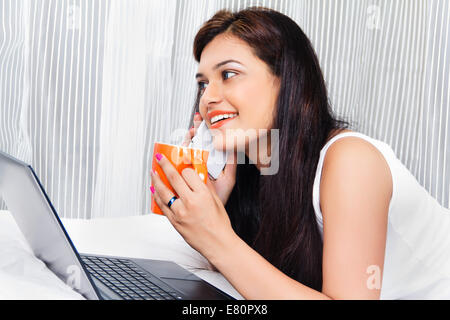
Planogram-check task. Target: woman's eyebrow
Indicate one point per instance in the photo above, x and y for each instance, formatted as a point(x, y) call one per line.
point(198, 75)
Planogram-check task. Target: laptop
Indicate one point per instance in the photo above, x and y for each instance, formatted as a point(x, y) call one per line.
point(93, 276)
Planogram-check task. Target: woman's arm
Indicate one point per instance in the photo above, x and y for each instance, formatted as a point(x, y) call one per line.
point(356, 188)
point(255, 278)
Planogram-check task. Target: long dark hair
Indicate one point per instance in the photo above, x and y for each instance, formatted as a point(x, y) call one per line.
point(274, 213)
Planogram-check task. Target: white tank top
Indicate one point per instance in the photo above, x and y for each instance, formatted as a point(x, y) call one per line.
point(417, 255)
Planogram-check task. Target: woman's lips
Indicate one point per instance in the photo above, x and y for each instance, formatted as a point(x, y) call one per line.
point(221, 123)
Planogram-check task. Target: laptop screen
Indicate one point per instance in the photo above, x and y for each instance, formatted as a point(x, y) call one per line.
point(36, 217)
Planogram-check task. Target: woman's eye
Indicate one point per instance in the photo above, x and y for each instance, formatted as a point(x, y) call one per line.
point(202, 85)
point(226, 74)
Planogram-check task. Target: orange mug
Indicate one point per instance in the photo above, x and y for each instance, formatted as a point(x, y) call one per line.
point(176, 154)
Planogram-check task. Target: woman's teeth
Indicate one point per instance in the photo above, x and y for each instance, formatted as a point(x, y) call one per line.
point(222, 116)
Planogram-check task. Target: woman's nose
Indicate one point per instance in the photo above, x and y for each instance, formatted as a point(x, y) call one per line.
point(212, 94)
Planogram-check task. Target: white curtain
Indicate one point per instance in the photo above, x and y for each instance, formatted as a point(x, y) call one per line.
point(86, 87)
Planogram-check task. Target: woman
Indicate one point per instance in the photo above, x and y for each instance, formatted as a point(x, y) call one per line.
point(341, 219)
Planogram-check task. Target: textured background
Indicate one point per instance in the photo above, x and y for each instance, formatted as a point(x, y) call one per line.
point(86, 87)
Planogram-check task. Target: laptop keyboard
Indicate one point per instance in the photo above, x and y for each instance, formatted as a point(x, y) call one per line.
point(126, 279)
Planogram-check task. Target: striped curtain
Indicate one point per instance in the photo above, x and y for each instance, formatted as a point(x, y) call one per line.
point(87, 86)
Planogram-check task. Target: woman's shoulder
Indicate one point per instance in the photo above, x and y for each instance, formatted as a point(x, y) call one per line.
point(356, 164)
point(352, 150)
point(351, 146)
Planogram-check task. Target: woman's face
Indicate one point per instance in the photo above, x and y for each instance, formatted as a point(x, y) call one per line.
point(235, 82)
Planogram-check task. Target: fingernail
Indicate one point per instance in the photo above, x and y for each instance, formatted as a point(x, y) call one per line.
point(152, 189)
point(158, 156)
point(197, 113)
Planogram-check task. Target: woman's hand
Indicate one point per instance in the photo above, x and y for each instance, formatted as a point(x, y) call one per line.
point(224, 184)
point(192, 131)
point(198, 214)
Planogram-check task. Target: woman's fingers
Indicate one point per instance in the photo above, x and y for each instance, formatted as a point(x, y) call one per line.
point(197, 121)
point(175, 179)
point(164, 208)
point(193, 130)
point(188, 137)
point(198, 117)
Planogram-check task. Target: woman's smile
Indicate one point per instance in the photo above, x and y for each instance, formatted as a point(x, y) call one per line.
point(218, 118)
